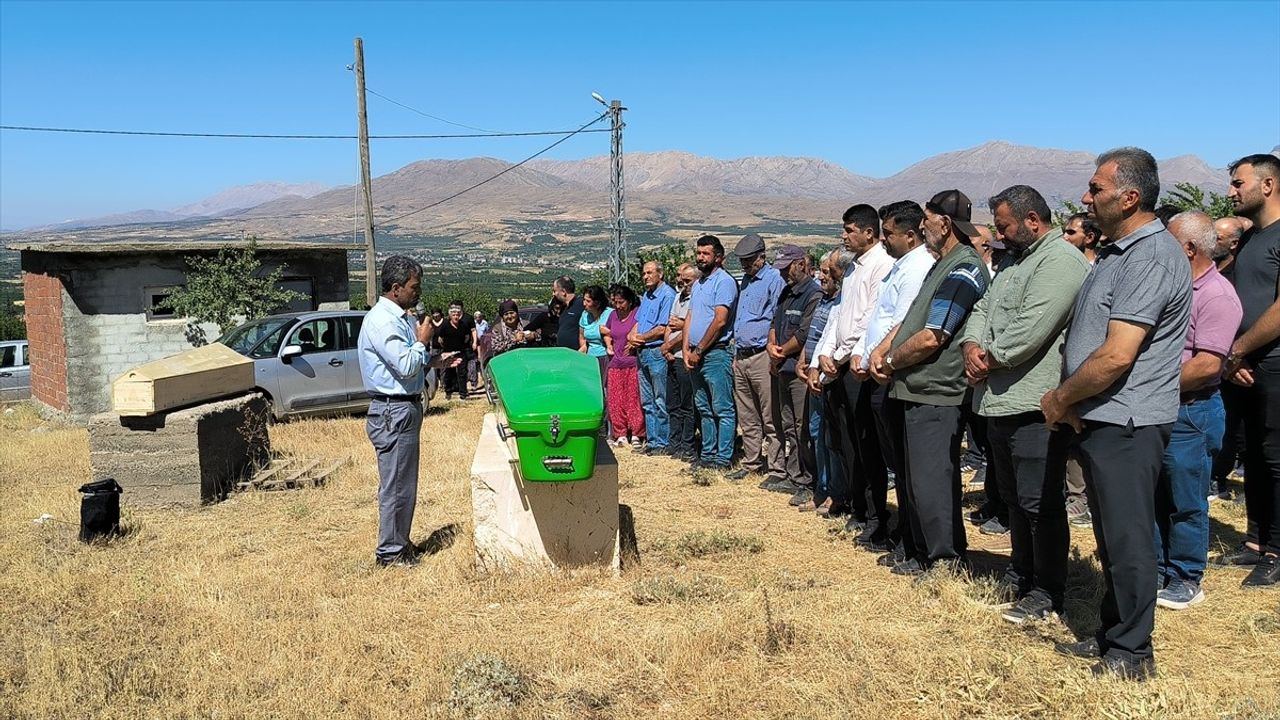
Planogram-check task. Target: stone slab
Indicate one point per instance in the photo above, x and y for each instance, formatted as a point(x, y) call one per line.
point(542, 524)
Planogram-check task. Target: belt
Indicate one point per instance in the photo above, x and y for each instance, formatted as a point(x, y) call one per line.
point(400, 398)
point(1197, 395)
point(748, 352)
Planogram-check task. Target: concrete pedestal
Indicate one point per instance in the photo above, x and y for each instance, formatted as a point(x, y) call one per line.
point(182, 457)
point(541, 524)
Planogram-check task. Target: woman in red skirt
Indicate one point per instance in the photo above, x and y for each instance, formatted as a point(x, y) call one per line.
point(623, 386)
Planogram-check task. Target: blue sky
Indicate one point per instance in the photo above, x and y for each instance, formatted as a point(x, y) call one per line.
point(871, 86)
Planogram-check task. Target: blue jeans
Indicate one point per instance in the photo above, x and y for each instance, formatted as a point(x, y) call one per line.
point(653, 397)
point(713, 396)
point(828, 462)
point(1182, 505)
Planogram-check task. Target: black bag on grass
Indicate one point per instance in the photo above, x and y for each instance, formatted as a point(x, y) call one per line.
point(100, 509)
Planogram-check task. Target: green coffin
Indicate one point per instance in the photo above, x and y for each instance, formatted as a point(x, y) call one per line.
point(548, 401)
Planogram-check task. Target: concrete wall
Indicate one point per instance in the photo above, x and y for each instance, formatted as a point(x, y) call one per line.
point(105, 328)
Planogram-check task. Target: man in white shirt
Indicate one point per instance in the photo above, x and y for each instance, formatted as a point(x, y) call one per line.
point(865, 485)
point(900, 222)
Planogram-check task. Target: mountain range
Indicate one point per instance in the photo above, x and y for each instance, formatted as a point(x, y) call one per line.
point(664, 190)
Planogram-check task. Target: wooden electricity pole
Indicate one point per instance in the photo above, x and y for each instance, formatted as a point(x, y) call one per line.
point(370, 257)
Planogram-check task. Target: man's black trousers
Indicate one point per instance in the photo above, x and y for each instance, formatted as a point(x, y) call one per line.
point(931, 450)
point(1121, 466)
point(889, 422)
point(1029, 463)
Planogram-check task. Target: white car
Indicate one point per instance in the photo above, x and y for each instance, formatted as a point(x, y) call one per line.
point(306, 363)
point(15, 370)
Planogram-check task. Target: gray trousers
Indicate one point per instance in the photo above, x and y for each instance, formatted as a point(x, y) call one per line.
point(394, 428)
point(753, 397)
point(791, 418)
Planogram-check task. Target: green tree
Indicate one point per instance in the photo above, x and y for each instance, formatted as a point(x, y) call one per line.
point(1187, 196)
point(227, 289)
point(1068, 209)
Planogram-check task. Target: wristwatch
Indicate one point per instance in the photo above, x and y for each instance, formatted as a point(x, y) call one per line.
point(696, 349)
point(888, 360)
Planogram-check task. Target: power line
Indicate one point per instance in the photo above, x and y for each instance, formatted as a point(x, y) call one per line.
point(267, 136)
point(504, 171)
point(429, 115)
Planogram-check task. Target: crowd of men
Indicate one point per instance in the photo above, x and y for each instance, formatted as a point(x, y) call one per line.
point(1090, 361)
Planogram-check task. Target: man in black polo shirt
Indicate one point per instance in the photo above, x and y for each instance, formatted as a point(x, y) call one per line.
point(1254, 362)
point(786, 339)
point(567, 331)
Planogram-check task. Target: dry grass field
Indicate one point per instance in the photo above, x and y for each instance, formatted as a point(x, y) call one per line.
point(269, 606)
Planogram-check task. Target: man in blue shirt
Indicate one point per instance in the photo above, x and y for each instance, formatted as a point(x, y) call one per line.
point(705, 346)
point(758, 294)
point(393, 355)
point(646, 338)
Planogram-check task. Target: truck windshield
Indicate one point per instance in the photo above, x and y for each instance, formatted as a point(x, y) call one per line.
point(258, 339)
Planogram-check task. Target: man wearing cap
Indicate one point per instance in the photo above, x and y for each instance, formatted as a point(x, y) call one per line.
point(922, 360)
point(646, 339)
point(758, 294)
point(1012, 347)
point(787, 336)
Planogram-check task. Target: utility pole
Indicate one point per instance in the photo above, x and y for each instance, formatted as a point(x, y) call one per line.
point(618, 222)
point(370, 257)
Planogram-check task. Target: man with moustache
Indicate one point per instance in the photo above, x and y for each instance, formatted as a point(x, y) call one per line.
point(393, 353)
point(790, 394)
point(758, 294)
point(922, 360)
point(1013, 355)
point(829, 478)
point(900, 222)
point(1254, 362)
point(1120, 394)
point(866, 483)
point(680, 410)
point(708, 329)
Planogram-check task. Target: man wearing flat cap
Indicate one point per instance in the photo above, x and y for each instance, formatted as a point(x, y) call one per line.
point(922, 362)
point(786, 339)
point(758, 294)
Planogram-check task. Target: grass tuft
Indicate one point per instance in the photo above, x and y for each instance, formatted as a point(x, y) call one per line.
point(484, 684)
point(702, 543)
point(667, 589)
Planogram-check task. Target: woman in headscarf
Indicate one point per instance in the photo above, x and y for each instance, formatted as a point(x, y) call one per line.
point(623, 385)
point(509, 333)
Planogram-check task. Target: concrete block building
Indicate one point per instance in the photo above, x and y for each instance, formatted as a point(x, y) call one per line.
point(91, 315)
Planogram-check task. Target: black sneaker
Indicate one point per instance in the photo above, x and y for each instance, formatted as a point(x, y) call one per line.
point(782, 485)
point(1136, 670)
point(739, 474)
point(801, 497)
point(854, 525)
point(1242, 555)
point(406, 558)
point(891, 558)
point(1087, 648)
point(980, 516)
point(993, 527)
point(875, 539)
point(910, 567)
point(1030, 608)
point(1265, 574)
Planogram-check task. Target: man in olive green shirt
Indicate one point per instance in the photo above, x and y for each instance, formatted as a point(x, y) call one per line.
point(1013, 355)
